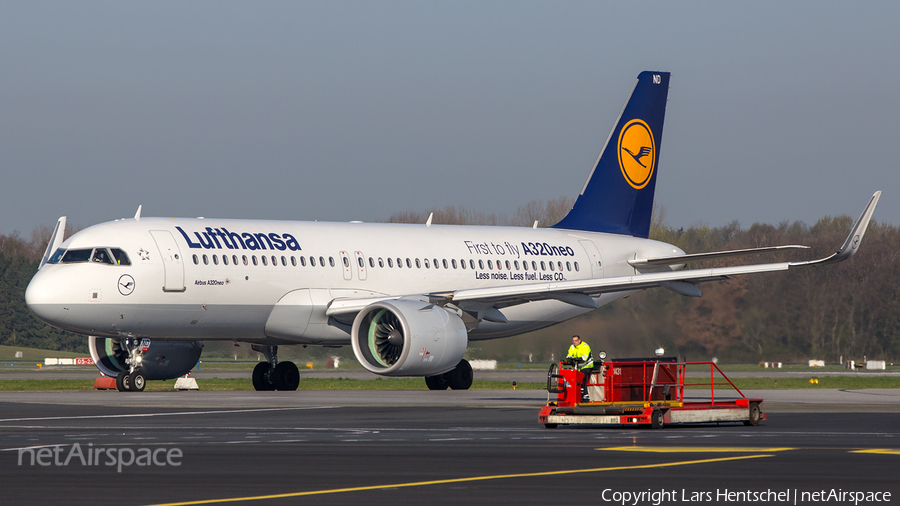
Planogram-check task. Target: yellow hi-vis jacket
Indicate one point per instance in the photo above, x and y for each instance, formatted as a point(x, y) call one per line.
point(583, 352)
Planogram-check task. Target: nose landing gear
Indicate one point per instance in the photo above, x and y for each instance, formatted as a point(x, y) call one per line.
point(134, 379)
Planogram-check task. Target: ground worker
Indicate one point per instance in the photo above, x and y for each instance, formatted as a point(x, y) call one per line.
point(580, 353)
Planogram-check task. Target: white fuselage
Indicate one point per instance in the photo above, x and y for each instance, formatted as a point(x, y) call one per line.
point(198, 279)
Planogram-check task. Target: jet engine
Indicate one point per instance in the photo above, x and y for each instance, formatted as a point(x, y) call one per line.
point(408, 338)
point(161, 360)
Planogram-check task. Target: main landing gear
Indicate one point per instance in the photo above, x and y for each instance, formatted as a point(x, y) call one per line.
point(272, 374)
point(135, 378)
point(459, 378)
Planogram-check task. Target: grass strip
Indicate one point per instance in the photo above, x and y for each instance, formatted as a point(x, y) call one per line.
point(231, 384)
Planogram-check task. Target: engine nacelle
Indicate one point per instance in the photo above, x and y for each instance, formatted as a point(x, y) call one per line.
point(163, 359)
point(408, 338)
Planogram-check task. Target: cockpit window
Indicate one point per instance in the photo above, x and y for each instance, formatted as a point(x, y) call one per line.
point(120, 256)
point(57, 255)
point(101, 256)
point(108, 256)
point(77, 255)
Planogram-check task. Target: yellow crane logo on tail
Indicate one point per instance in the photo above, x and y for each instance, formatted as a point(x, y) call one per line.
point(637, 153)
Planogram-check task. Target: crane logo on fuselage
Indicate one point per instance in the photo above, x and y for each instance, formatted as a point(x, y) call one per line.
point(222, 238)
point(637, 153)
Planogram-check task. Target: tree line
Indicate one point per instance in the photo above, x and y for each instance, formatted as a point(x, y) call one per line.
point(849, 310)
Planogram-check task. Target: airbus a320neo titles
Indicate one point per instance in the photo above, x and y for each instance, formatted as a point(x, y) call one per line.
point(407, 298)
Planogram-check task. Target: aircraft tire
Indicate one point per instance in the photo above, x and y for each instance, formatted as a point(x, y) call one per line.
point(137, 381)
point(260, 382)
point(123, 382)
point(438, 382)
point(287, 376)
point(461, 378)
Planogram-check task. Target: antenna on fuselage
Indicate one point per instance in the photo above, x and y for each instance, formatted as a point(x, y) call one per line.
point(428, 223)
point(137, 215)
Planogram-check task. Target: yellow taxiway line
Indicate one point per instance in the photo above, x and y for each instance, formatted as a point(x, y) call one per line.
point(693, 449)
point(455, 480)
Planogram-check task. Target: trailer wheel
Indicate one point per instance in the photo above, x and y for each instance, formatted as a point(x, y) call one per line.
point(657, 420)
point(754, 415)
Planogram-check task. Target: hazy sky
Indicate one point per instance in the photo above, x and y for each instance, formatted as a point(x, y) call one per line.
point(354, 110)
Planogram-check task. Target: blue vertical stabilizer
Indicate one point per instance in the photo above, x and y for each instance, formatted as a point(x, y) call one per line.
point(618, 195)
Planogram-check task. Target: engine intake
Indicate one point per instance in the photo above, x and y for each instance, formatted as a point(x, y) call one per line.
point(408, 338)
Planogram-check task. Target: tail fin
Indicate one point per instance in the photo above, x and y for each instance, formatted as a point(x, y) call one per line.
point(618, 195)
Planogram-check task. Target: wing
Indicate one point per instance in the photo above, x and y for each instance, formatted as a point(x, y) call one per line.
point(580, 292)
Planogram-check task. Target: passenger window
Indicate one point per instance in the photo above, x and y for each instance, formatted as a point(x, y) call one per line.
point(436, 266)
point(418, 264)
point(525, 264)
point(552, 268)
point(491, 265)
point(371, 262)
point(216, 259)
point(533, 265)
point(205, 260)
point(265, 261)
point(408, 264)
point(294, 261)
point(346, 262)
point(481, 264)
point(559, 265)
point(312, 261)
point(543, 266)
point(569, 266)
point(390, 262)
point(101, 256)
point(225, 259)
point(361, 262)
point(303, 261)
point(255, 261)
point(507, 265)
point(381, 262)
point(120, 256)
point(330, 261)
point(399, 263)
point(516, 264)
point(576, 266)
point(445, 264)
point(453, 261)
point(427, 265)
point(472, 263)
point(244, 258)
point(234, 259)
point(196, 260)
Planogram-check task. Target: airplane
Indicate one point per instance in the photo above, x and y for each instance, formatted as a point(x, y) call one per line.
point(407, 297)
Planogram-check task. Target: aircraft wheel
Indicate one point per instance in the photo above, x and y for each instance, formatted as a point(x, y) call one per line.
point(438, 382)
point(461, 378)
point(123, 381)
point(137, 381)
point(657, 419)
point(260, 380)
point(286, 376)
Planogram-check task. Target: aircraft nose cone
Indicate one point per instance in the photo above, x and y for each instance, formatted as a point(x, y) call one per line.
point(41, 297)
